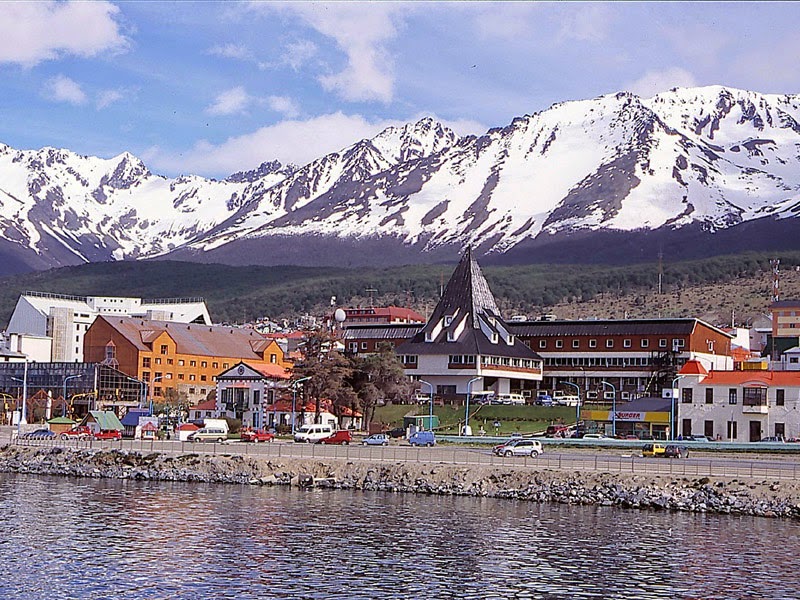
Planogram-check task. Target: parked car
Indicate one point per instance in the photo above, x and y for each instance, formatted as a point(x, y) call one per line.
point(422, 438)
point(208, 434)
point(772, 439)
point(653, 450)
point(544, 399)
point(78, 432)
point(521, 447)
point(313, 433)
point(109, 434)
point(342, 436)
point(256, 435)
point(560, 431)
point(697, 438)
point(39, 434)
point(563, 398)
point(595, 436)
point(376, 439)
point(676, 451)
point(397, 432)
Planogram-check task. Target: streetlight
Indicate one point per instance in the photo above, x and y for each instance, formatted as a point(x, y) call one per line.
point(466, 413)
point(672, 407)
point(294, 397)
point(151, 389)
point(613, 408)
point(67, 378)
point(430, 413)
point(22, 418)
point(578, 406)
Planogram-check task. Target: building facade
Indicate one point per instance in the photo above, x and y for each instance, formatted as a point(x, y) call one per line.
point(185, 357)
point(466, 346)
point(381, 314)
point(243, 391)
point(66, 319)
point(738, 406)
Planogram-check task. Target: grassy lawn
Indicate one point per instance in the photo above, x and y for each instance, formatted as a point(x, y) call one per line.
point(512, 419)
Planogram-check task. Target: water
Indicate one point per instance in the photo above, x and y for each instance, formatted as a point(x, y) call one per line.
point(71, 538)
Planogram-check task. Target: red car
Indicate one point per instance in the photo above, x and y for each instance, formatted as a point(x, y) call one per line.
point(256, 435)
point(343, 436)
point(111, 434)
point(78, 432)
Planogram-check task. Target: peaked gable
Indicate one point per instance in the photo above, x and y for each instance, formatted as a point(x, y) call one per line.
point(240, 371)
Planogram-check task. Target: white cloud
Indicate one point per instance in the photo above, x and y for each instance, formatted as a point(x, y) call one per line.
point(235, 51)
point(299, 53)
point(64, 89)
point(284, 105)
point(361, 31)
point(232, 101)
point(109, 97)
point(654, 82)
point(290, 141)
point(585, 22)
point(32, 32)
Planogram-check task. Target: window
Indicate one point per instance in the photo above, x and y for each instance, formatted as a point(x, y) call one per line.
point(192, 377)
point(364, 345)
point(192, 363)
point(542, 344)
point(559, 343)
point(191, 390)
point(77, 327)
point(163, 348)
point(609, 343)
point(686, 395)
point(626, 343)
point(146, 375)
point(576, 343)
point(158, 360)
point(409, 359)
point(732, 430)
point(708, 429)
point(794, 360)
point(170, 361)
point(204, 364)
point(180, 376)
point(644, 343)
point(203, 391)
point(181, 362)
point(678, 343)
point(732, 396)
point(146, 362)
point(203, 378)
point(225, 365)
point(77, 338)
point(215, 365)
point(168, 376)
point(780, 397)
point(780, 430)
point(662, 343)
point(273, 358)
point(592, 343)
point(709, 395)
point(754, 396)
point(111, 351)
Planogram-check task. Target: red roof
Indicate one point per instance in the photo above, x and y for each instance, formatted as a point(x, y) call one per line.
point(273, 371)
point(693, 367)
point(149, 427)
point(346, 411)
point(205, 405)
point(187, 427)
point(754, 378)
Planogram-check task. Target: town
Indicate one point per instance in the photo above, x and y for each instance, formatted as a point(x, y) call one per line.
point(109, 367)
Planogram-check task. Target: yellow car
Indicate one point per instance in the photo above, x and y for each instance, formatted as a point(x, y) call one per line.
point(654, 450)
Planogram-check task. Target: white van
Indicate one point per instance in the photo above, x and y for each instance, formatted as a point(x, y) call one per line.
point(313, 433)
point(209, 434)
point(509, 399)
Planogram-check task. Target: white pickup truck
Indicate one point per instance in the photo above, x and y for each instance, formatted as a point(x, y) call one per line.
point(563, 398)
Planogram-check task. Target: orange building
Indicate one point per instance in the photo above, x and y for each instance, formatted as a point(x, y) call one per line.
point(184, 356)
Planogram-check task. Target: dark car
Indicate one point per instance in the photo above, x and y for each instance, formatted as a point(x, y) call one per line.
point(676, 451)
point(39, 434)
point(397, 432)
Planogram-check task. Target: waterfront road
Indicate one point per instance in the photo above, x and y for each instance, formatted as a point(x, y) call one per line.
point(745, 466)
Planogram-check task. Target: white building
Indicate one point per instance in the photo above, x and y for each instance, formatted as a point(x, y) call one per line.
point(65, 319)
point(738, 406)
point(467, 340)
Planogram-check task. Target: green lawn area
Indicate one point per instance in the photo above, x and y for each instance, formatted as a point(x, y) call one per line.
point(512, 419)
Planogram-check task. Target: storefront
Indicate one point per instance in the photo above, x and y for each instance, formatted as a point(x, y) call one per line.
point(645, 418)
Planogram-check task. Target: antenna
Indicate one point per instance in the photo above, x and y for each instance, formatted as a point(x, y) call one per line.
point(370, 291)
point(776, 278)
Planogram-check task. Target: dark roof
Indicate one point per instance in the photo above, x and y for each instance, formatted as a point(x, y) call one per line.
point(785, 304)
point(647, 404)
point(387, 331)
point(610, 327)
point(131, 418)
point(470, 342)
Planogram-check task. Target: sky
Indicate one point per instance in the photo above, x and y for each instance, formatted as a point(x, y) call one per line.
point(212, 88)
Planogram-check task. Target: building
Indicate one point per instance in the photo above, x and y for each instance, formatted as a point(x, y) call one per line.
point(785, 330)
point(66, 319)
point(243, 391)
point(185, 357)
point(634, 357)
point(466, 346)
point(366, 339)
point(738, 406)
point(380, 314)
point(646, 418)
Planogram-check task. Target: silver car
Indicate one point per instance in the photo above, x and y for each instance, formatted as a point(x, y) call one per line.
point(521, 447)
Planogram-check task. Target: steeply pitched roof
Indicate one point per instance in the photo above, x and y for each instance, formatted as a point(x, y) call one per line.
point(106, 420)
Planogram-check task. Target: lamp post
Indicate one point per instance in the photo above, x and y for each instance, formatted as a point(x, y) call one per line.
point(67, 378)
point(294, 397)
point(151, 391)
point(430, 412)
point(672, 407)
point(466, 412)
point(578, 406)
point(613, 408)
point(22, 417)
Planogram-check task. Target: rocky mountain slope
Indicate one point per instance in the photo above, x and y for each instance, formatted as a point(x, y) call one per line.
point(686, 163)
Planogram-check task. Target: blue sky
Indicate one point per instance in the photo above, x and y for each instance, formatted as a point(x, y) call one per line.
point(215, 87)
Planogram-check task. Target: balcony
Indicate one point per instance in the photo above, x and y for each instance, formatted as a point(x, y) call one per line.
point(755, 409)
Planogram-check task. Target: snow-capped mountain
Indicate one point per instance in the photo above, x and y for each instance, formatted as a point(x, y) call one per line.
point(702, 158)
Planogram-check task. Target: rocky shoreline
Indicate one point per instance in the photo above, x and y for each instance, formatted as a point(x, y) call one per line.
point(777, 499)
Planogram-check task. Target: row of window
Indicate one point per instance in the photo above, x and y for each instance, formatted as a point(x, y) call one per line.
point(147, 362)
point(158, 392)
point(181, 376)
point(610, 361)
point(505, 361)
point(751, 396)
point(609, 343)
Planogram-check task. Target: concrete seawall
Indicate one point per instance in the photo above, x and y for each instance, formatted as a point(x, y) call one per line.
point(714, 495)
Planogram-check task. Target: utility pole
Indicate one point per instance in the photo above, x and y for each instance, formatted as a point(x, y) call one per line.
point(660, 272)
point(370, 291)
point(776, 278)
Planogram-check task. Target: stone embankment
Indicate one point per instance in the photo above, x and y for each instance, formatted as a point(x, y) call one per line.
point(717, 495)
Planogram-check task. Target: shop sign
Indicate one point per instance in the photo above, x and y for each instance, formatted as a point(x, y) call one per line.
point(630, 416)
